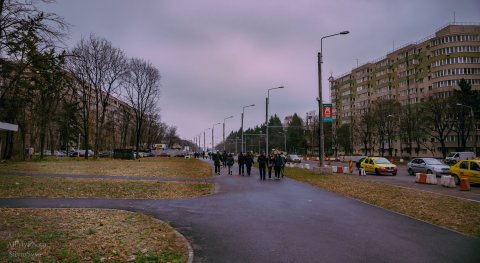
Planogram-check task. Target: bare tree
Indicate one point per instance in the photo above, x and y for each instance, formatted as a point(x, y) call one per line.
point(23, 27)
point(384, 125)
point(438, 120)
point(98, 67)
point(365, 130)
point(18, 19)
point(142, 88)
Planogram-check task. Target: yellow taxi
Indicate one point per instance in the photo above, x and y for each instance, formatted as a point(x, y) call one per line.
point(378, 165)
point(469, 169)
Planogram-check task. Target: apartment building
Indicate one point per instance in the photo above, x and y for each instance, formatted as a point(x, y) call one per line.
point(410, 74)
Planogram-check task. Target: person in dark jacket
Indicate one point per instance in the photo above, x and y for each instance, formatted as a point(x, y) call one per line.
point(241, 164)
point(262, 161)
point(278, 166)
point(230, 162)
point(271, 163)
point(216, 162)
point(249, 162)
point(224, 159)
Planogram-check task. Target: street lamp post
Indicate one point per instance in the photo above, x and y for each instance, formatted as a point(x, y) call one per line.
point(243, 113)
point(474, 126)
point(213, 145)
point(267, 101)
point(319, 99)
point(224, 131)
point(204, 148)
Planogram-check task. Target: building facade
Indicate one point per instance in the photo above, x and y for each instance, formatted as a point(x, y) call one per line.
point(409, 75)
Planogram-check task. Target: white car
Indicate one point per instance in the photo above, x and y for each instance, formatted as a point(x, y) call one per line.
point(293, 158)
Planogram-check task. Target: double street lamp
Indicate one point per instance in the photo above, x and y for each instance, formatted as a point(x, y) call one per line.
point(321, 135)
point(243, 113)
point(224, 143)
point(267, 101)
point(473, 125)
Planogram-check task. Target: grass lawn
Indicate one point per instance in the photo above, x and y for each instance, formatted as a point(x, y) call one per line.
point(152, 167)
point(449, 212)
point(35, 186)
point(86, 235)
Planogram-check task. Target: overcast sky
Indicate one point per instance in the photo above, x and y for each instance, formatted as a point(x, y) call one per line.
point(216, 56)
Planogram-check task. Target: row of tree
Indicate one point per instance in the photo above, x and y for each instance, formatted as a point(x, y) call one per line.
point(54, 95)
point(427, 125)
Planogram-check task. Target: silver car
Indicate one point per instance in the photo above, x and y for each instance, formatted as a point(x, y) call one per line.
point(429, 166)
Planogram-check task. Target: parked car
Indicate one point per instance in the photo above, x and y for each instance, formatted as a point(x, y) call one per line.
point(454, 157)
point(378, 165)
point(427, 165)
point(80, 153)
point(59, 153)
point(148, 154)
point(293, 158)
point(105, 154)
point(469, 169)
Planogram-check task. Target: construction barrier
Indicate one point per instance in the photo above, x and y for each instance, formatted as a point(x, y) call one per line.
point(447, 181)
point(421, 178)
point(464, 184)
point(334, 169)
point(340, 170)
point(432, 179)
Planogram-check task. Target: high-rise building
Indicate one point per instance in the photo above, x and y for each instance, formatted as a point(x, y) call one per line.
point(409, 75)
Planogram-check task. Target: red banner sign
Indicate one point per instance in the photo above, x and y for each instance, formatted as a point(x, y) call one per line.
point(327, 111)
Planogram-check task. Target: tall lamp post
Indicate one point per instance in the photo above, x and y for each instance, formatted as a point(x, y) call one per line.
point(474, 126)
point(241, 128)
point(213, 142)
point(267, 101)
point(224, 131)
point(321, 135)
point(204, 148)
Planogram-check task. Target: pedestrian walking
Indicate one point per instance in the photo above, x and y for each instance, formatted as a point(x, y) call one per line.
point(284, 161)
point(271, 163)
point(224, 158)
point(262, 161)
point(216, 162)
point(241, 164)
point(277, 166)
point(230, 162)
point(249, 162)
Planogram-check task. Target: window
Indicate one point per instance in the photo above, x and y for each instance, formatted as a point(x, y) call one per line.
point(474, 166)
point(464, 165)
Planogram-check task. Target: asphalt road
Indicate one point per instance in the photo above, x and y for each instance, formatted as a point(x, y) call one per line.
point(249, 220)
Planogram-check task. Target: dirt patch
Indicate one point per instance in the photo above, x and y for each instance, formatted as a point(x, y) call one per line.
point(152, 167)
point(31, 186)
point(87, 235)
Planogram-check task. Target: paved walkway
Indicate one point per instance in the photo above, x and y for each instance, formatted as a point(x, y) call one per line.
point(249, 220)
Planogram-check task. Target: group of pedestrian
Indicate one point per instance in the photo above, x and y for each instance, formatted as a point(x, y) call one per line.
point(274, 161)
point(245, 160)
point(223, 159)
